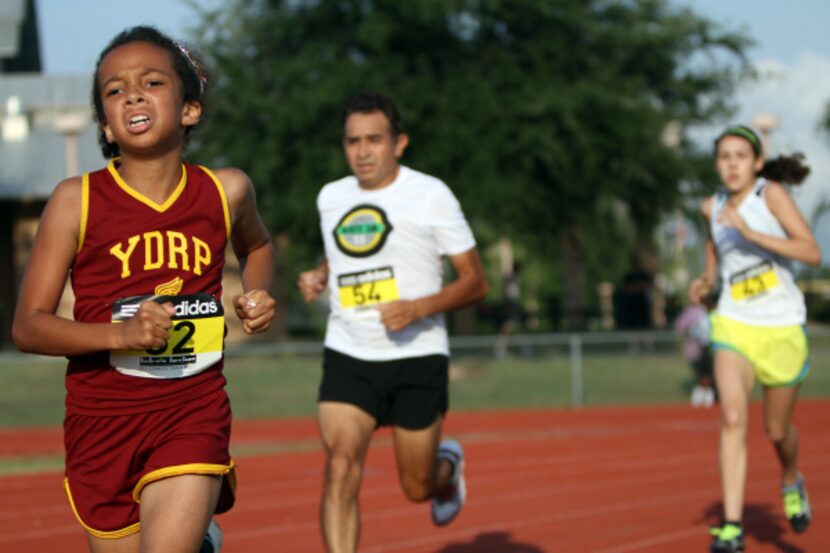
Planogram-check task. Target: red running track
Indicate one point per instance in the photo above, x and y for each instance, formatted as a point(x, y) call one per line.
point(598, 480)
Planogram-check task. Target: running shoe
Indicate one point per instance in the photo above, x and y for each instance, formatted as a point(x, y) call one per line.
point(213, 538)
point(447, 504)
point(698, 396)
point(797, 505)
point(729, 538)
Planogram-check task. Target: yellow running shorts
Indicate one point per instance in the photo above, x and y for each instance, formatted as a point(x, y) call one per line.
point(779, 354)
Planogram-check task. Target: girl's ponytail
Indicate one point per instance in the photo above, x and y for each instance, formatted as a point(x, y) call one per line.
point(786, 169)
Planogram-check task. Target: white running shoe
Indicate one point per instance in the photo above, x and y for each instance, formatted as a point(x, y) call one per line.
point(447, 504)
point(213, 538)
point(698, 396)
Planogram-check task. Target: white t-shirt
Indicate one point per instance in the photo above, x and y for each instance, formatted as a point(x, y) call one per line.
point(383, 245)
point(758, 286)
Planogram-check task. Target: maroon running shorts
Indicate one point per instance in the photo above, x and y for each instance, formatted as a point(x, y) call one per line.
point(109, 460)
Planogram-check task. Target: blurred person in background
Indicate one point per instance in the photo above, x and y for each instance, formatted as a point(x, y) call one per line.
point(755, 233)
point(693, 325)
point(386, 358)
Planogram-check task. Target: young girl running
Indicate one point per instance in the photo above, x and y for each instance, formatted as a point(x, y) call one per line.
point(755, 232)
point(147, 421)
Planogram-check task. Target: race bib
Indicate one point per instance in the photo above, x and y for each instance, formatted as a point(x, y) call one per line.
point(753, 282)
point(367, 288)
point(195, 343)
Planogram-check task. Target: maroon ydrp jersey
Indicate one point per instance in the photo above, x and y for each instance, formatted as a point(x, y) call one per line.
point(132, 249)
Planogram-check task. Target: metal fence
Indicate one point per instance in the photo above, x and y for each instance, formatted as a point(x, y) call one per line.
point(569, 347)
point(574, 345)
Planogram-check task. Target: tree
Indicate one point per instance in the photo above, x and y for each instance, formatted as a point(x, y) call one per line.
point(544, 116)
point(824, 124)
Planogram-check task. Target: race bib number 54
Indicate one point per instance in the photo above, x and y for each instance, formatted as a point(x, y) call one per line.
point(367, 288)
point(195, 343)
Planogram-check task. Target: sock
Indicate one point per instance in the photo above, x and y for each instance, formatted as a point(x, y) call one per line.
point(207, 546)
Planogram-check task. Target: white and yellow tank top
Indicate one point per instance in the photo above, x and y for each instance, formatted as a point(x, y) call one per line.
point(757, 286)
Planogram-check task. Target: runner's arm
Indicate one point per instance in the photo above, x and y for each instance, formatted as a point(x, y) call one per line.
point(703, 284)
point(800, 243)
point(312, 283)
point(252, 246)
point(36, 327)
point(469, 286)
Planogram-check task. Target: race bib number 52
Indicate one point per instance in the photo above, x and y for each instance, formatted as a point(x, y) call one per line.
point(195, 343)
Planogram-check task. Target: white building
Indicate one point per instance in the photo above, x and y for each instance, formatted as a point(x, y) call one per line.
point(46, 134)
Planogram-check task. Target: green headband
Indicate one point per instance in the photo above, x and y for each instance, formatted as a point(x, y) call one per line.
point(746, 133)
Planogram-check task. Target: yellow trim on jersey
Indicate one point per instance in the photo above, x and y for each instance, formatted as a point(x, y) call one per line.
point(107, 535)
point(141, 197)
point(84, 211)
point(224, 197)
point(178, 470)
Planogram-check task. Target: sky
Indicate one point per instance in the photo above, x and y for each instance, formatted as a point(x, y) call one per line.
point(792, 55)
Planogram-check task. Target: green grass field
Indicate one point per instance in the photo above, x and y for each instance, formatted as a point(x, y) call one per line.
point(260, 386)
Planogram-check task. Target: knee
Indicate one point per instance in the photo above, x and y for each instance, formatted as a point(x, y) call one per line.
point(415, 488)
point(733, 419)
point(342, 472)
point(777, 432)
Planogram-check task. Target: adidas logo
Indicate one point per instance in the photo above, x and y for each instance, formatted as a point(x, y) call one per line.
point(192, 309)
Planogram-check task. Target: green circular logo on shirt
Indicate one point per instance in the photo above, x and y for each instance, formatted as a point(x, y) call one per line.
point(362, 231)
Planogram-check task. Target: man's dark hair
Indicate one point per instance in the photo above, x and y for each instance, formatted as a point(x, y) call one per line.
point(367, 101)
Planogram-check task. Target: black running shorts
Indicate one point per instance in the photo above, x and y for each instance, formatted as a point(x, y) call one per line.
point(409, 392)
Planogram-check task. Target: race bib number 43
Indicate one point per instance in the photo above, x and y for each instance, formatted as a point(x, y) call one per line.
point(195, 343)
point(753, 282)
point(367, 288)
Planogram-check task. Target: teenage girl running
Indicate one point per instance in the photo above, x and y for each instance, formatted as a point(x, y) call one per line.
point(755, 232)
point(143, 240)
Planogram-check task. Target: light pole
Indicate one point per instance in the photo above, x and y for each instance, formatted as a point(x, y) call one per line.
point(70, 126)
point(15, 126)
point(765, 123)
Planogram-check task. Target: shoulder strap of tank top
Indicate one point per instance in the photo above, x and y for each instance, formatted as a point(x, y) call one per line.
point(759, 187)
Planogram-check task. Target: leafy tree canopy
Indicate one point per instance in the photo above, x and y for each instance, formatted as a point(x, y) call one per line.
point(542, 115)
